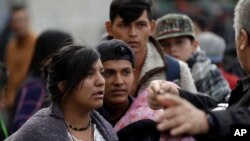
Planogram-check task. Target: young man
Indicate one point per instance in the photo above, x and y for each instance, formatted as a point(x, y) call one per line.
point(175, 32)
point(210, 125)
point(131, 21)
point(118, 62)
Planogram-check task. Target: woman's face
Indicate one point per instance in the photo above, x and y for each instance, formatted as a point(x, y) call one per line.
point(89, 92)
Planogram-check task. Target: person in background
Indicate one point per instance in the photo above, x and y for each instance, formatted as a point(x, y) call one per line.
point(214, 47)
point(118, 62)
point(75, 82)
point(184, 118)
point(125, 113)
point(175, 32)
point(131, 21)
point(19, 52)
point(4, 122)
point(5, 36)
point(229, 61)
point(32, 95)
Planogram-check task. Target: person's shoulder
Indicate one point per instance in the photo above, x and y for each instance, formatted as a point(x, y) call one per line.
point(33, 129)
point(182, 63)
point(40, 118)
point(183, 66)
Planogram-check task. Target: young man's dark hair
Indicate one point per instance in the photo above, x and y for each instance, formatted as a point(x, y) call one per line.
point(131, 21)
point(129, 10)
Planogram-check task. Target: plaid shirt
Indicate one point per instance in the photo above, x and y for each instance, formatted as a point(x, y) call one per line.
point(207, 77)
point(30, 99)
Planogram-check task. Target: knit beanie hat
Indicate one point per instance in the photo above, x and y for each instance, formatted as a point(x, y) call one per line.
point(174, 25)
point(115, 49)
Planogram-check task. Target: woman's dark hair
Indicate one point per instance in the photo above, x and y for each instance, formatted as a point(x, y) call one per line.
point(129, 10)
point(47, 43)
point(70, 64)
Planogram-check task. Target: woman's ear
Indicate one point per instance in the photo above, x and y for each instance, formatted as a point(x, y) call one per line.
point(195, 44)
point(61, 85)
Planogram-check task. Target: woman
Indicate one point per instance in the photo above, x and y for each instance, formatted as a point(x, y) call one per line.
point(32, 95)
point(75, 82)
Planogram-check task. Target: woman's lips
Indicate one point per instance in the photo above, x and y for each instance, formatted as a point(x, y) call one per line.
point(99, 94)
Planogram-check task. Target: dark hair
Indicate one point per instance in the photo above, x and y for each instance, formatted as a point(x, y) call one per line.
point(200, 20)
point(70, 64)
point(3, 76)
point(191, 38)
point(129, 10)
point(18, 7)
point(141, 130)
point(47, 43)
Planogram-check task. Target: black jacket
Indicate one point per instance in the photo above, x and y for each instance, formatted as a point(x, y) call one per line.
point(238, 112)
point(142, 130)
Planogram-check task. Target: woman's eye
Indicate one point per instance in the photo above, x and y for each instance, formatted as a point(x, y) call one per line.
point(90, 74)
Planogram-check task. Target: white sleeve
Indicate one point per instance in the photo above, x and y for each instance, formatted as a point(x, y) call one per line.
point(186, 79)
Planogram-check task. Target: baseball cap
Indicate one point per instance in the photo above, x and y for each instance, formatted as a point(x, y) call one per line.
point(115, 49)
point(174, 25)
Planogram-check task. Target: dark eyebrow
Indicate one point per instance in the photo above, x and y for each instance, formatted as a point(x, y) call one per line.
point(109, 69)
point(127, 68)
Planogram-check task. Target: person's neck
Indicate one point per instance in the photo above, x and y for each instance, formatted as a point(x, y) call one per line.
point(76, 116)
point(117, 110)
point(139, 62)
point(140, 59)
point(22, 38)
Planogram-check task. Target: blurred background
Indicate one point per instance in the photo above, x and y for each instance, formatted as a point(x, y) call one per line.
point(85, 19)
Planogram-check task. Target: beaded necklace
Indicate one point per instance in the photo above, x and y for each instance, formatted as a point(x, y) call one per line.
point(79, 129)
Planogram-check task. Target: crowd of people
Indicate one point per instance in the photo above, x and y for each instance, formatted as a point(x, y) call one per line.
point(147, 80)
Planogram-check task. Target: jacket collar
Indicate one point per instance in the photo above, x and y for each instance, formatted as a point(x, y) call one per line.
point(245, 83)
point(55, 110)
point(154, 57)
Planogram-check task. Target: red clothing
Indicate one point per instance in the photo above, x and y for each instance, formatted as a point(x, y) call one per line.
point(231, 78)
